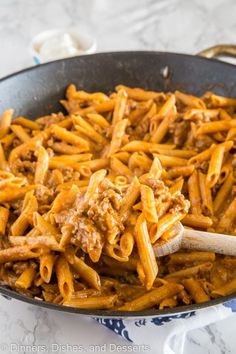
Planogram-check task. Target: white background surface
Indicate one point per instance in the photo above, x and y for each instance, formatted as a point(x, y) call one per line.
point(171, 25)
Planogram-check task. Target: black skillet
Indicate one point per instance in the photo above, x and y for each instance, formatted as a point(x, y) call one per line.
point(36, 91)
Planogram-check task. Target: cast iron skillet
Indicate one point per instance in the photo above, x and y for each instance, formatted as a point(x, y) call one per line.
point(36, 91)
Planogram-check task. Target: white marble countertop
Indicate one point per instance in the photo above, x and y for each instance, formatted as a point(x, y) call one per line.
point(167, 25)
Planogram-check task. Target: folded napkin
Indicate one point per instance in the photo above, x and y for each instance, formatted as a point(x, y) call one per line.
point(166, 335)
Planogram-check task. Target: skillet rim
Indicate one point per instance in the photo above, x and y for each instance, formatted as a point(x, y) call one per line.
point(134, 52)
point(11, 294)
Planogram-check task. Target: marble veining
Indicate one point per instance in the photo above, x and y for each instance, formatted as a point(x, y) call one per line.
point(166, 25)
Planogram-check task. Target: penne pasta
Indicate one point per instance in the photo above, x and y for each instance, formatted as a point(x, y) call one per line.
point(46, 267)
point(3, 162)
point(6, 120)
point(148, 204)
point(145, 146)
point(71, 138)
point(164, 224)
point(119, 109)
point(215, 164)
point(223, 193)
point(195, 289)
point(43, 226)
point(27, 123)
point(44, 242)
point(177, 153)
point(129, 198)
point(225, 170)
point(14, 193)
point(20, 133)
point(67, 149)
point(177, 187)
point(170, 161)
point(41, 165)
point(202, 156)
point(191, 271)
point(113, 250)
point(221, 101)
point(99, 120)
point(127, 244)
point(169, 302)
point(86, 198)
point(168, 112)
point(213, 127)
point(206, 197)
point(119, 167)
point(88, 130)
point(226, 289)
point(228, 217)
point(153, 297)
point(90, 276)
point(64, 276)
point(93, 303)
point(19, 253)
point(146, 253)
point(198, 221)
point(93, 185)
point(117, 136)
point(137, 93)
point(4, 215)
point(26, 278)
point(191, 257)
point(194, 193)
point(190, 100)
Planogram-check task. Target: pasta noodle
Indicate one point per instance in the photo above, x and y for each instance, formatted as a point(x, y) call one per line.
point(87, 197)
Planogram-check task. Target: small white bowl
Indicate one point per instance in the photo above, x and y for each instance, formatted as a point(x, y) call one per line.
point(62, 43)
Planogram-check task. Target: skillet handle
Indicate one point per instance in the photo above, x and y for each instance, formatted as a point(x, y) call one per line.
point(220, 50)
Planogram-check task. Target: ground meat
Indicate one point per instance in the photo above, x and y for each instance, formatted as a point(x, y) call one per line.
point(62, 218)
point(19, 267)
point(159, 188)
point(86, 234)
point(92, 221)
point(29, 155)
point(7, 277)
point(25, 166)
point(233, 193)
point(162, 195)
point(69, 174)
point(103, 214)
point(129, 107)
point(203, 166)
point(16, 142)
point(44, 195)
point(179, 204)
point(203, 142)
point(73, 106)
point(142, 128)
point(234, 161)
point(50, 152)
point(104, 209)
point(180, 132)
point(108, 189)
point(17, 206)
point(54, 178)
point(50, 142)
point(47, 121)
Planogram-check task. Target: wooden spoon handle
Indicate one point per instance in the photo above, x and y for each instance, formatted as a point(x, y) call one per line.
point(207, 241)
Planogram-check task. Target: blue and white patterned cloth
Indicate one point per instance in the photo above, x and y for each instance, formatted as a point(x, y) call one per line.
point(169, 331)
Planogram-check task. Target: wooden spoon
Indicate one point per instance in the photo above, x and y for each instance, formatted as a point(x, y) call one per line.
point(197, 240)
